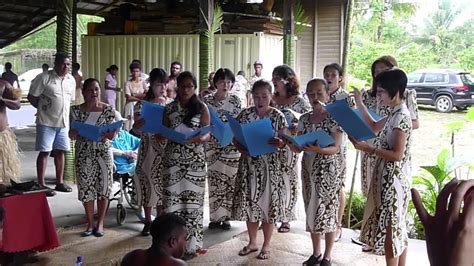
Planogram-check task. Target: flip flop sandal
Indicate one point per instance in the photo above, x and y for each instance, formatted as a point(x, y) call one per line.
point(61, 187)
point(313, 260)
point(284, 228)
point(245, 251)
point(366, 248)
point(263, 255)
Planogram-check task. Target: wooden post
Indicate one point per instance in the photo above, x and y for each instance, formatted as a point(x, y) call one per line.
point(288, 33)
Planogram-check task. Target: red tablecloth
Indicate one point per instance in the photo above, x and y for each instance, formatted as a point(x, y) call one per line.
point(27, 224)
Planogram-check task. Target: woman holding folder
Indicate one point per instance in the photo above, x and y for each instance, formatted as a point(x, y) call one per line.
point(384, 227)
point(184, 165)
point(94, 161)
point(320, 174)
point(259, 183)
point(287, 99)
point(148, 170)
point(222, 162)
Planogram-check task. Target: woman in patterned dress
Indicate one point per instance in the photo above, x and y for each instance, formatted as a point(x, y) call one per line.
point(222, 162)
point(369, 97)
point(384, 227)
point(333, 75)
point(320, 174)
point(135, 91)
point(184, 166)
point(148, 170)
point(94, 160)
point(287, 99)
point(259, 183)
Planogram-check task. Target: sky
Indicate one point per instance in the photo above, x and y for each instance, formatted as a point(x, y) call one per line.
point(426, 7)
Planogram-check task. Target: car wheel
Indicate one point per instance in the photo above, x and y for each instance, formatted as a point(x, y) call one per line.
point(443, 104)
point(462, 107)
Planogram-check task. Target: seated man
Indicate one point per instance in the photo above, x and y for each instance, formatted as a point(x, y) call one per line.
point(169, 234)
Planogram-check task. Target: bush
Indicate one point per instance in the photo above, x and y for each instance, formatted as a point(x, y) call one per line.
point(357, 209)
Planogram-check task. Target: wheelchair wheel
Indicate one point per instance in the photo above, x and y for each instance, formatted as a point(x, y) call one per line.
point(121, 214)
point(130, 192)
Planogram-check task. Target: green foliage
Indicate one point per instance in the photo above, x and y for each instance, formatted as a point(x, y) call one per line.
point(357, 209)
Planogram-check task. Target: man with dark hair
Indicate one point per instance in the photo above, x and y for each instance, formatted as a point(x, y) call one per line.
point(169, 234)
point(45, 67)
point(175, 69)
point(9, 76)
point(51, 93)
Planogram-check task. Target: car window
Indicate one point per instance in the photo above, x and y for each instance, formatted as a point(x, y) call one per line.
point(467, 79)
point(436, 78)
point(414, 77)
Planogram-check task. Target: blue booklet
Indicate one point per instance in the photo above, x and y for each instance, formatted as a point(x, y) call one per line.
point(254, 136)
point(92, 132)
point(319, 136)
point(373, 114)
point(220, 130)
point(181, 138)
point(153, 116)
point(348, 119)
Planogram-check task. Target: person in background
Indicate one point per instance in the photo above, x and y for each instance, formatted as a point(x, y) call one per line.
point(168, 245)
point(9, 153)
point(135, 91)
point(450, 230)
point(288, 100)
point(222, 162)
point(185, 171)
point(77, 76)
point(384, 226)
point(125, 150)
point(93, 160)
point(143, 75)
point(320, 173)
point(258, 67)
point(10, 76)
point(149, 165)
point(241, 87)
point(259, 183)
point(333, 75)
point(111, 88)
point(175, 69)
point(211, 89)
point(45, 67)
point(52, 93)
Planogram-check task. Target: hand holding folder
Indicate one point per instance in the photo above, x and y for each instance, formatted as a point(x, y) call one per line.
point(92, 132)
point(182, 138)
point(321, 137)
point(253, 136)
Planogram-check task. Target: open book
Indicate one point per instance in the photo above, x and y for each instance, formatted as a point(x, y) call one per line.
point(319, 136)
point(152, 114)
point(92, 132)
point(220, 129)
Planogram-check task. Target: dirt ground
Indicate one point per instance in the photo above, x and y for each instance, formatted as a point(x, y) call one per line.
point(431, 137)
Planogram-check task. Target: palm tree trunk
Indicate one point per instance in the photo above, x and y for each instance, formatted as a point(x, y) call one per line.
point(347, 37)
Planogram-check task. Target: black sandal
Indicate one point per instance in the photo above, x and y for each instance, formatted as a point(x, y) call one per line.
point(313, 260)
point(225, 225)
point(214, 225)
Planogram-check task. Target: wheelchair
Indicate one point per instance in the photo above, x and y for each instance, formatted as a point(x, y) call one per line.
point(127, 191)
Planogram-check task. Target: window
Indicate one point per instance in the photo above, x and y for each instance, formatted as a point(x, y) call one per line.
point(414, 77)
point(467, 79)
point(436, 78)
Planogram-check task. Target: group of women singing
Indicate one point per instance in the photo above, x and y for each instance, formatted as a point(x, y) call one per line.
point(262, 190)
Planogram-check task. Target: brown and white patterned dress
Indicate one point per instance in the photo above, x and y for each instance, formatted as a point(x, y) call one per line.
point(259, 182)
point(94, 160)
point(149, 167)
point(222, 162)
point(184, 177)
point(291, 166)
point(376, 105)
point(320, 180)
point(387, 201)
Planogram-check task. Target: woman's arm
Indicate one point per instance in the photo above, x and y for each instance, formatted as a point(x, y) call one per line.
point(374, 126)
point(395, 154)
point(329, 150)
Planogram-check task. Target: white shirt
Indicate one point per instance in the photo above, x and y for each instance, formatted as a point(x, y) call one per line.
point(55, 97)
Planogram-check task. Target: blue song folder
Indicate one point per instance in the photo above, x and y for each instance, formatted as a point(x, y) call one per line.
point(373, 114)
point(92, 132)
point(220, 130)
point(181, 138)
point(254, 136)
point(320, 136)
point(348, 119)
point(153, 116)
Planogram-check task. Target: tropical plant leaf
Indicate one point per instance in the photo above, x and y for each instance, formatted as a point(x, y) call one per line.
point(442, 158)
point(301, 20)
point(470, 114)
point(437, 173)
point(454, 127)
point(420, 180)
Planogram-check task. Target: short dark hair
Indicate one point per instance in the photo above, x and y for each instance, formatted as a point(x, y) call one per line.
point(335, 66)
point(223, 73)
point(176, 63)
point(262, 84)
point(76, 66)
point(88, 82)
point(45, 66)
point(287, 73)
point(166, 226)
point(156, 74)
point(316, 80)
point(60, 57)
point(393, 80)
point(241, 73)
point(135, 65)
point(112, 67)
point(8, 65)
